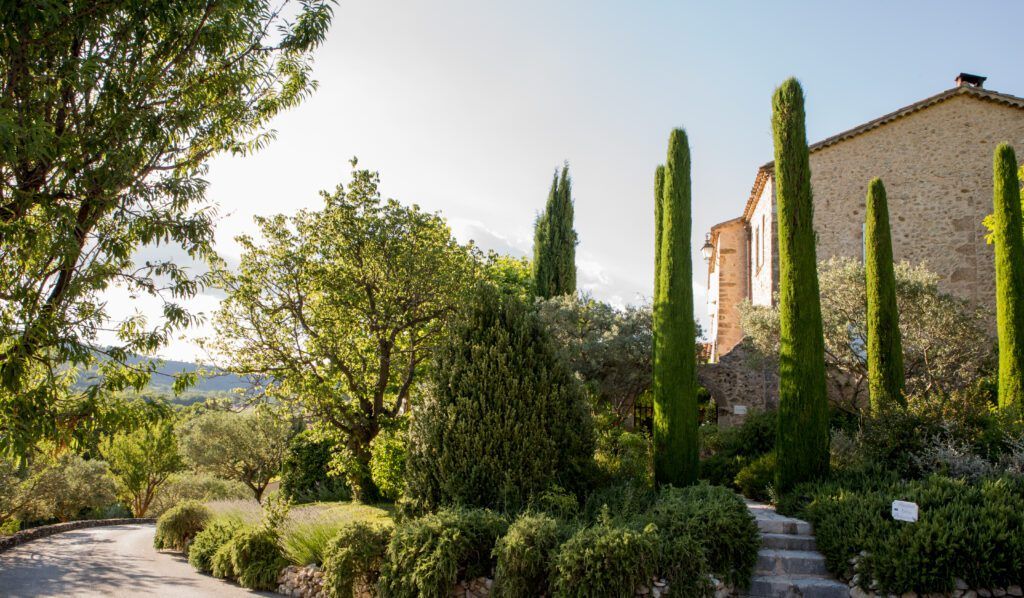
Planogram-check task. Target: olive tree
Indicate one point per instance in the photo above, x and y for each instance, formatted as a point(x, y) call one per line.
point(945, 343)
point(141, 462)
point(248, 447)
point(338, 310)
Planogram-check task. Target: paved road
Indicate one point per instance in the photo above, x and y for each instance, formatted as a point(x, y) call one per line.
point(118, 560)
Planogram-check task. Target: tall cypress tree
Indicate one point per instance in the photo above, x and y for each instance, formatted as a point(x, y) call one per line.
point(1009, 276)
point(554, 241)
point(675, 361)
point(803, 435)
point(885, 347)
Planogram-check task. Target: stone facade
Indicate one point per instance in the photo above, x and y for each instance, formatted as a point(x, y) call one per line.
point(935, 158)
point(740, 382)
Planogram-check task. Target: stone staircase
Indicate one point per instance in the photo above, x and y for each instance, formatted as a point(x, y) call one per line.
point(788, 563)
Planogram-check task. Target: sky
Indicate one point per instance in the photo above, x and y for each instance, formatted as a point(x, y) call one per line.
point(466, 107)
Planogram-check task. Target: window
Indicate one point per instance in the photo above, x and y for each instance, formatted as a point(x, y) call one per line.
point(757, 247)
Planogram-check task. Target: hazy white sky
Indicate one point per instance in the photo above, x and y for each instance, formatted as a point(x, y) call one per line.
point(467, 107)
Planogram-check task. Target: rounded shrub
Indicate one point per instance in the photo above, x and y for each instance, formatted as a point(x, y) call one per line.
point(221, 564)
point(606, 560)
point(525, 555)
point(757, 478)
point(505, 419)
point(206, 543)
point(256, 558)
point(682, 562)
point(719, 519)
point(427, 555)
point(354, 559)
point(179, 525)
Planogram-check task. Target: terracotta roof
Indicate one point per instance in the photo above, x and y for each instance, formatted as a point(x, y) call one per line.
point(980, 93)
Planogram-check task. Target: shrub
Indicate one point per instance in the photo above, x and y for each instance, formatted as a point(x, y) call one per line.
point(179, 525)
point(306, 471)
point(506, 418)
point(196, 486)
point(682, 562)
point(556, 502)
point(428, 554)
point(721, 469)
point(756, 479)
point(256, 558)
point(388, 453)
point(220, 564)
point(752, 438)
point(206, 543)
point(78, 487)
point(606, 561)
point(716, 517)
point(525, 555)
point(624, 456)
point(625, 500)
point(354, 557)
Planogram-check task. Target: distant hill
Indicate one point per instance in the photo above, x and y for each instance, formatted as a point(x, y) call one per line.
point(212, 382)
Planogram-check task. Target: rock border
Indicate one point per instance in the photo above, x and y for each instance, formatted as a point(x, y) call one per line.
point(34, 533)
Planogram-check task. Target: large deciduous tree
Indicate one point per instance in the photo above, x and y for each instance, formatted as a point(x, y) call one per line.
point(339, 309)
point(803, 400)
point(109, 111)
point(675, 360)
point(1009, 245)
point(249, 447)
point(141, 462)
point(554, 242)
point(884, 347)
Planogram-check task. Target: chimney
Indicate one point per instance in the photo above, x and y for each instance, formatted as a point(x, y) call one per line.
point(969, 80)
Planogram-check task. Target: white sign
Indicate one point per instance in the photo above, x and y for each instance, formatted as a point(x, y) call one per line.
point(904, 511)
point(739, 409)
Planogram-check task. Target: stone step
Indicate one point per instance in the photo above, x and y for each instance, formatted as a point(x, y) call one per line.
point(791, 586)
point(784, 525)
point(772, 561)
point(788, 542)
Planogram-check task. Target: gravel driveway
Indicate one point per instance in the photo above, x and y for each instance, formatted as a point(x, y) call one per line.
point(117, 560)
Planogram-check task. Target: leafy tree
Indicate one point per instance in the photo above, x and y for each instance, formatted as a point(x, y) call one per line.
point(141, 461)
point(675, 362)
point(248, 447)
point(504, 420)
point(109, 112)
point(510, 274)
point(945, 343)
point(1009, 244)
point(75, 485)
point(803, 400)
point(339, 309)
point(884, 347)
point(554, 241)
point(306, 471)
point(25, 486)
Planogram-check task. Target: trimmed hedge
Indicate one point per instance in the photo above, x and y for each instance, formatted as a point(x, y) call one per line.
point(971, 532)
point(354, 558)
point(427, 555)
point(179, 525)
point(256, 559)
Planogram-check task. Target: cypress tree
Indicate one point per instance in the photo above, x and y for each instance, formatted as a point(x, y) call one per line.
point(659, 196)
point(675, 362)
point(554, 241)
point(1009, 246)
point(885, 347)
point(803, 434)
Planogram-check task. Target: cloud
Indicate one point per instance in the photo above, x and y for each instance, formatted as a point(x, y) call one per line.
point(488, 239)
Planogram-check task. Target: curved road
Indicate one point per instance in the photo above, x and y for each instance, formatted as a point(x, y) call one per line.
point(118, 560)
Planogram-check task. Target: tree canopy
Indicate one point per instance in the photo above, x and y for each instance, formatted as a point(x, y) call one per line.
point(554, 241)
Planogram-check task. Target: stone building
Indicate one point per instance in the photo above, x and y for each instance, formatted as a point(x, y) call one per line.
point(935, 157)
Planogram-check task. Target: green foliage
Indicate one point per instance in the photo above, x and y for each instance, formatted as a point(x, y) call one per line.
point(428, 555)
point(184, 486)
point(217, 533)
point(884, 346)
point(681, 561)
point(526, 554)
point(511, 275)
point(756, 479)
point(732, 449)
point(505, 419)
point(625, 500)
point(605, 561)
point(354, 558)
point(220, 564)
point(142, 461)
point(803, 401)
point(247, 447)
point(179, 525)
point(933, 329)
point(306, 471)
point(608, 348)
point(256, 559)
point(718, 520)
point(340, 307)
point(109, 113)
point(389, 453)
point(1009, 245)
point(675, 385)
point(624, 456)
point(69, 487)
point(972, 532)
point(554, 242)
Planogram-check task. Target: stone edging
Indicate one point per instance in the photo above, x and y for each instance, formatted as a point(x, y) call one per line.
point(34, 533)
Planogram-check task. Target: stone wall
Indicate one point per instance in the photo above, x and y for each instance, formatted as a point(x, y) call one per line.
point(727, 286)
point(742, 381)
point(34, 533)
point(763, 247)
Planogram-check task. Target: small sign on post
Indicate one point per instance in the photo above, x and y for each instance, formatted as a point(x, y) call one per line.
point(904, 511)
point(739, 409)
